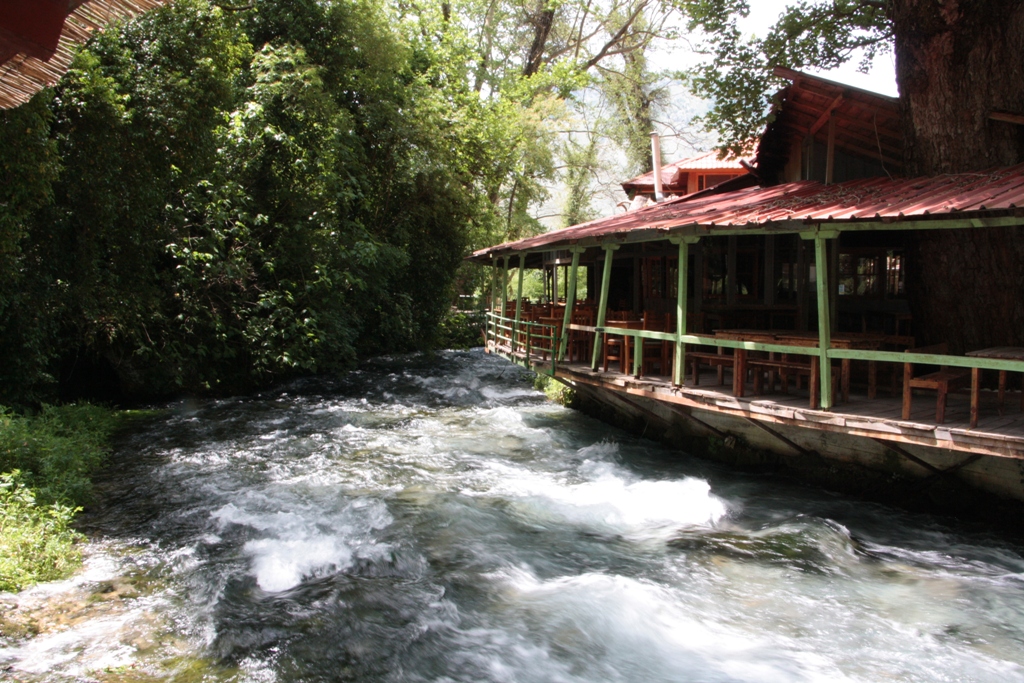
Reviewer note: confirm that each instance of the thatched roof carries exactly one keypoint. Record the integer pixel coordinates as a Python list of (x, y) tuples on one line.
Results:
[(31, 55)]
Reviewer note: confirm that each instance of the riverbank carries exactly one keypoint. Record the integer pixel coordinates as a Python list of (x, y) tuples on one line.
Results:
[(47, 460)]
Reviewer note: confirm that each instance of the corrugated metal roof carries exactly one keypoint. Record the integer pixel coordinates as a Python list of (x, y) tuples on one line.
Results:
[(805, 202), (670, 173), (22, 75)]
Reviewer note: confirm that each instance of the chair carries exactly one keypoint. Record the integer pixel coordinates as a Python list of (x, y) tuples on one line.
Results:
[(943, 381), (580, 342), (616, 347), (655, 351)]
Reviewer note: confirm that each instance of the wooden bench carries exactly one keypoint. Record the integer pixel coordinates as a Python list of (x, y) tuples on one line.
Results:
[(943, 381), (783, 366), (716, 360)]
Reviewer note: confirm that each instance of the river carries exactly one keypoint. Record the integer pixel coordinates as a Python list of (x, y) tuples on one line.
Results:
[(435, 518)]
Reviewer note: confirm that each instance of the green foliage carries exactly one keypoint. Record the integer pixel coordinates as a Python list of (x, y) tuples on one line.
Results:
[(37, 542), (461, 330), (555, 391), (57, 450), (581, 163), (244, 196), (738, 78)]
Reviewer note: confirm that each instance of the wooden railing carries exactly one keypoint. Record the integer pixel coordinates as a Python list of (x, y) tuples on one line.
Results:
[(524, 342)]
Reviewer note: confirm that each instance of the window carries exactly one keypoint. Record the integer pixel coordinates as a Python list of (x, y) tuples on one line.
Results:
[(871, 273), (706, 180)]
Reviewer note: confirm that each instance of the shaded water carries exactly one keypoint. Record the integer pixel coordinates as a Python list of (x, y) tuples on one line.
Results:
[(436, 519)]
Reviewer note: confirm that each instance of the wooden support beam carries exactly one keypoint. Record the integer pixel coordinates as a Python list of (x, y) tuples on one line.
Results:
[(679, 366), (492, 304), (824, 324), (602, 306), (895, 448), (826, 117), (941, 474), (570, 301), (1007, 117), (519, 306), (678, 410), (763, 426), (830, 153), (504, 287)]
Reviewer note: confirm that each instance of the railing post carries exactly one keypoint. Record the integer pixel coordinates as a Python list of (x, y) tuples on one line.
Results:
[(570, 300), (638, 353), (529, 344), (602, 306), (518, 305), (824, 323), (553, 342), (682, 271)]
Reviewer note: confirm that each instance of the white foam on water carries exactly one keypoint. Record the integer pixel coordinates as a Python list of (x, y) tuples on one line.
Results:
[(608, 498), (638, 627), (308, 540), (282, 564), (89, 646)]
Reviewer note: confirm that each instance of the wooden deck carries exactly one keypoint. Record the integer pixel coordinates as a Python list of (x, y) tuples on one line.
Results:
[(999, 432)]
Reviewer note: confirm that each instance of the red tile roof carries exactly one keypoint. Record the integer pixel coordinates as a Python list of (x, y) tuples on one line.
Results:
[(802, 203), (670, 173)]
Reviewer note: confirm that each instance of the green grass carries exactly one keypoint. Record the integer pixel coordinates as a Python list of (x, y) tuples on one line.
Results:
[(46, 463), (37, 542)]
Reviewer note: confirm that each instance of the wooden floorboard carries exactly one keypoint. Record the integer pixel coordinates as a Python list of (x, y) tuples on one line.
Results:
[(874, 418)]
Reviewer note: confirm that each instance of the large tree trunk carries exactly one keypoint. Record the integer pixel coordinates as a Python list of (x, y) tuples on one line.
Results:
[(956, 62), (542, 22)]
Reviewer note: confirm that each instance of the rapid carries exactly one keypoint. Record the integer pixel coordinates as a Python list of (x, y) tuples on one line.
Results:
[(436, 518)]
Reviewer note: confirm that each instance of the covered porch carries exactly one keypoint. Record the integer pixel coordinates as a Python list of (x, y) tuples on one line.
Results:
[(786, 301)]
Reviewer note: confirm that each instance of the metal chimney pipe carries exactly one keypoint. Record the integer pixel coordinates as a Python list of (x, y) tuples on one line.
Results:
[(656, 158)]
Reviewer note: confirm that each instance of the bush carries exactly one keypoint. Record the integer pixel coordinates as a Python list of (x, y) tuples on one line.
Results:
[(555, 390), (460, 330), (57, 450), (37, 542), (46, 462)]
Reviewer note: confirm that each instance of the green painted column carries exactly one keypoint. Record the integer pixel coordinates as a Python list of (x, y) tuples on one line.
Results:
[(494, 284), (824, 323), (519, 303), (492, 329), (602, 306), (570, 300), (504, 288), (679, 366)]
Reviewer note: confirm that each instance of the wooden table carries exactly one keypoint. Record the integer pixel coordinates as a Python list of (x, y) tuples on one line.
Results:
[(739, 367), (1000, 353), (868, 341)]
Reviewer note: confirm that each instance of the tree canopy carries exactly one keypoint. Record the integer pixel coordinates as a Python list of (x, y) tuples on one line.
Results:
[(220, 195)]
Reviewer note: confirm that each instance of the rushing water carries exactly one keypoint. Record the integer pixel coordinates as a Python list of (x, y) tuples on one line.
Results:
[(436, 519)]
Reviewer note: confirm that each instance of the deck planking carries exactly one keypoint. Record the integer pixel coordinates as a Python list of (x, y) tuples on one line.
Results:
[(878, 418)]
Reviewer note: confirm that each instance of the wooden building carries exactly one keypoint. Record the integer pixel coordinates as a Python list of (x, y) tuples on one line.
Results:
[(687, 176), (774, 309)]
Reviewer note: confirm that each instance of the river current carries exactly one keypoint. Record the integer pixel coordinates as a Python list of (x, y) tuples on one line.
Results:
[(435, 518)]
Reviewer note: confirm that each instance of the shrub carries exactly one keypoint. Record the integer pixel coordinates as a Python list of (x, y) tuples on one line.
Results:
[(57, 450), (37, 542)]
